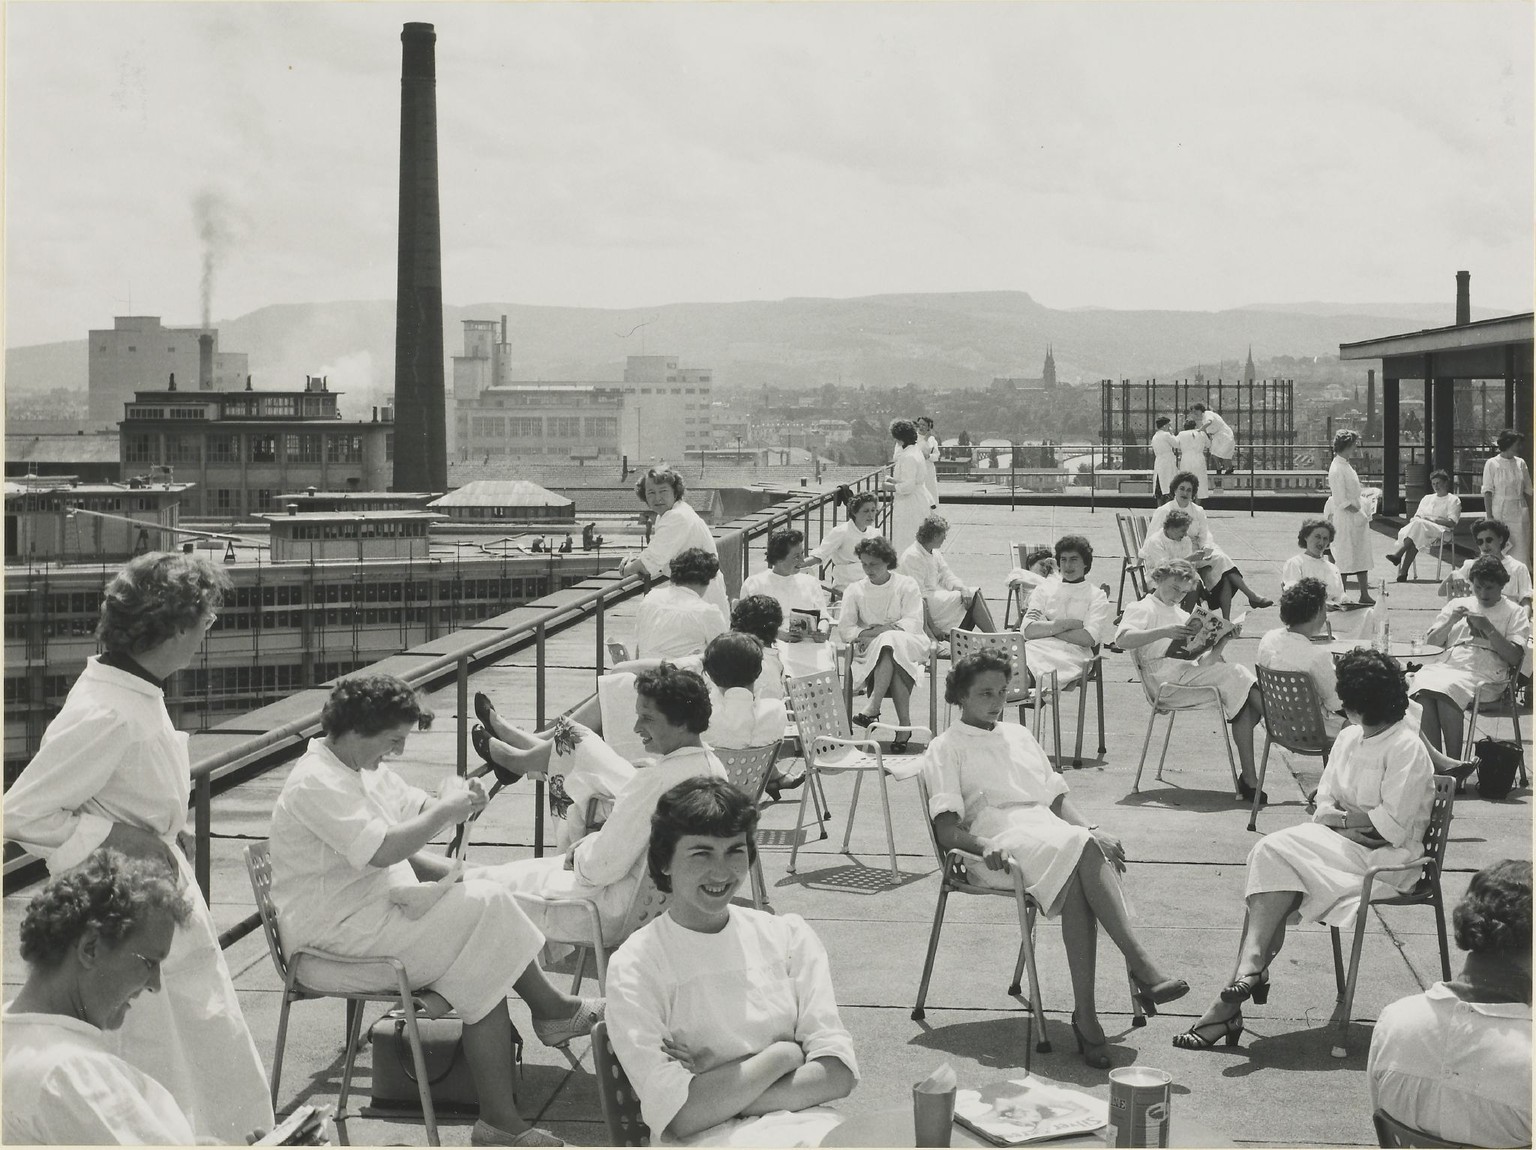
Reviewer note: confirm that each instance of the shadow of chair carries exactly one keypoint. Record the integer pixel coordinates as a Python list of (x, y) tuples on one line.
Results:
[(1293, 718), (617, 1098), (576, 922), (1426, 892), (258, 864), (1391, 1132), (1169, 699), (748, 768)]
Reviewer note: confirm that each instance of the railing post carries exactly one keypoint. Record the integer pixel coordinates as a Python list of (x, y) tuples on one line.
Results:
[(202, 824), (538, 725), (601, 645), (1093, 480), (463, 732)]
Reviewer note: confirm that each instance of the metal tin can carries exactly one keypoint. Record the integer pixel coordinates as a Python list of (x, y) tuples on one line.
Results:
[(1139, 1098)]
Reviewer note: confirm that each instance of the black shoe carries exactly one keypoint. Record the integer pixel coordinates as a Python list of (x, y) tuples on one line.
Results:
[(1254, 986), (899, 744), (484, 709), (863, 720), (1095, 1054), (481, 738), (774, 786), (1204, 1036), (1246, 790)]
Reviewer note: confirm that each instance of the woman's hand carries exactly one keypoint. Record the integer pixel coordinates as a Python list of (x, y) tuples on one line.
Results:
[(461, 802), (1365, 836), (135, 842), (680, 1053), (1111, 848), (993, 855)]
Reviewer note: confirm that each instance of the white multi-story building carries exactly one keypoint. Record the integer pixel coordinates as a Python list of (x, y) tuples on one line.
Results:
[(138, 354), (666, 409)]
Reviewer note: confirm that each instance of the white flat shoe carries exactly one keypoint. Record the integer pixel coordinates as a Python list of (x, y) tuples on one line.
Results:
[(559, 1031), (484, 1134)]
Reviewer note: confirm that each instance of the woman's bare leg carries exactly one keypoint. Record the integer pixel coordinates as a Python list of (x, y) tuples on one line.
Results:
[(880, 681), (1365, 586), (901, 695), (531, 761), (1446, 728), (1242, 734), (1080, 937), (1429, 719), (545, 1000), (488, 1050), (1263, 936), (1100, 885)]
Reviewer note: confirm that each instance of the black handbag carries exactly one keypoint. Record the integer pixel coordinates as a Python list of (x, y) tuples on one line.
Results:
[(394, 1089), (1497, 762)]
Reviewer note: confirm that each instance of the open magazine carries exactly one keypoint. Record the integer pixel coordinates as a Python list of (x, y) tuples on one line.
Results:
[(304, 1127), (1213, 629), (1028, 1110)]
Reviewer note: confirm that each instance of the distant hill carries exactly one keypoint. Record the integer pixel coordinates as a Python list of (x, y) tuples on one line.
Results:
[(932, 340)]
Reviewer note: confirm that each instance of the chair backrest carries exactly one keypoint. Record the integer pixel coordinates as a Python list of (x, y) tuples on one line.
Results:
[(1139, 524), (1022, 549), (817, 701), (1007, 643), (1439, 829), (617, 652), (648, 903), (1391, 1132), (620, 1103), (1293, 713), (1128, 543), (258, 864), (748, 767)]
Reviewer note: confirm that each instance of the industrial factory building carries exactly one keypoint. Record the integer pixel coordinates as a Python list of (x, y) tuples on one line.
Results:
[(137, 353)]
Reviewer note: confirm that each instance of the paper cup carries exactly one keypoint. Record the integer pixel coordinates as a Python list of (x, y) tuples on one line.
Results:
[(933, 1116)]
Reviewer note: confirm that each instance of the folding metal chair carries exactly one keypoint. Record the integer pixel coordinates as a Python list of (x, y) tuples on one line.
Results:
[(1293, 717), (576, 922), (617, 1098), (1130, 556), (748, 768), (1167, 700)]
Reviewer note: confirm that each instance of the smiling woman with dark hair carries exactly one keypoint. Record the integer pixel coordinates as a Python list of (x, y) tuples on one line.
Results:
[(836, 546), (677, 527)]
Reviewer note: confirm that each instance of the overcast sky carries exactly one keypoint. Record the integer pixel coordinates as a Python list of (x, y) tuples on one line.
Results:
[(1143, 155)]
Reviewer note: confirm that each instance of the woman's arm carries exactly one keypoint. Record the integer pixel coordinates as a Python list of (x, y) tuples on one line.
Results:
[(907, 477), (1511, 652), (727, 1091), (818, 1081), (1129, 640), (954, 837), (1439, 632), (406, 838)]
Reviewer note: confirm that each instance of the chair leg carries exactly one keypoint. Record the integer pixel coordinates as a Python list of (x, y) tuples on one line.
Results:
[(1226, 741), (933, 948), (1338, 960), (1471, 740), (1016, 986), (759, 887), (805, 791), (1253, 815), (1167, 739), (1345, 1004), (1098, 685), (890, 833), (423, 1082), (1082, 711), (282, 1037), (354, 1032), (853, 809), (1037, 1008), (1145, 744), (1056, 713), (1445, 951), (581, 969), (600, 957)]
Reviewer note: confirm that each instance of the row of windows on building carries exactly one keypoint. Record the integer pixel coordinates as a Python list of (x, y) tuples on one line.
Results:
[(363, 530), (551, 427), (63, 501), (329, 447), (180, 411)]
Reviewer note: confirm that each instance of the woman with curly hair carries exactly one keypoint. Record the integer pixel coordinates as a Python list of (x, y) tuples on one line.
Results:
[(1345, 510), (1455, 1061), (908, 484), (1433, 523), (351, 874), (1372, 810), (836, 546), (113, 771), (1314, 537), (1222, 578), (678, 618), (678, 527), (93, 939), (883, 621)]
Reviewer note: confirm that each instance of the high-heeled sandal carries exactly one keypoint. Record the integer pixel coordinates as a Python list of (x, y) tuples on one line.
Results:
[(481, 740), (863, 720), (899, 744), (1095, 1054), (1254, 986), (484, 709), (1198, 1037), (1154, 995)]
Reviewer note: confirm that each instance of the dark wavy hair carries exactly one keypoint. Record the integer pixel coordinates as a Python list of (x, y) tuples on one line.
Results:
[(1345, 440), (760, 616), (1490, 568), (878, 546), (1033, 557), (1373, 685), (1495, 915), (904, 432), (1441, 473), (1302, 600), (733, 659), (662, 474), (972, 667), (857, 501), (698, 806), (1185, 477), (1076, 545), (1497, 526), (369, 704), (680, 695), (932, 527), (1508, 436), (108, 893), (694, 567), (155, 596), (781, 543), (1310, 525)]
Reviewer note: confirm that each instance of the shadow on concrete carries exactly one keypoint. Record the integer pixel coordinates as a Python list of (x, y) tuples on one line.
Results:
[(1204, 801), (852, 878), (1305, 1050), (1002, 1043)]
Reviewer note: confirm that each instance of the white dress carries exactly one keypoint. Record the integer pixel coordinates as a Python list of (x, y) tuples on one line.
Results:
[(899, 601), (1231, 679), (912, 502), (1456, 1069), (798, 592), (1165, 461), (1470, 667), (1223, 442), (1519, 585), (675, 621), (740, 719), (1199, 535), (1303, 566), (1509, 481), (1387, 776), (1058, 599), (762, 979), (836, 547), (1192, 445), (931, 455), (330, 820), (111, 755), (1002, 786), (677, 529), (1424, 533), (941, 588), (1282, 650), (64, 1087), (1351, 529)]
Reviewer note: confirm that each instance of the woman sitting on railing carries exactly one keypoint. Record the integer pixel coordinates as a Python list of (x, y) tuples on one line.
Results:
[(1373, 808), (723, 1016), (992, 793), (1485, 636), (947, 602), (1149, 627), (1221, 577), (1432, 525), (93, 939), (882, 619), (1315, 537), (113, 771), (837, 545), (351, 875), (677, 528)]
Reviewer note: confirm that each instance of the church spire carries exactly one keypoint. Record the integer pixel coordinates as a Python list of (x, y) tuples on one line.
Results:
[(1048, 375), (1248, 367)]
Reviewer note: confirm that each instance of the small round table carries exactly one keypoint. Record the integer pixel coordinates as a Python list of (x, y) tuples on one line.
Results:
[(1397, 650)]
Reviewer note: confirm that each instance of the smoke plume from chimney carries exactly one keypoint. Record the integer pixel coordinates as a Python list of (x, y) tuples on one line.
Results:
[(216, 225)]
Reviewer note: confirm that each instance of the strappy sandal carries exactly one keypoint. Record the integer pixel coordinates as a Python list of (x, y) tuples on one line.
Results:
[(1200, 1036), (899, 744), (1254, 986)]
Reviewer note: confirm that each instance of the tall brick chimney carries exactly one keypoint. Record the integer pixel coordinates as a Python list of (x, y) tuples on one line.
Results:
[(1463, 298), (205, 362), (421, 433)]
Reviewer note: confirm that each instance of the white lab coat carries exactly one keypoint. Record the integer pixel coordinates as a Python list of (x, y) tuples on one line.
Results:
[(912, 503), (837, 548), (1507, 489), (1223, 442), (1165, 460), (1344, 509), (1192, 445), (111, 755), (931, 454), (677, 529)]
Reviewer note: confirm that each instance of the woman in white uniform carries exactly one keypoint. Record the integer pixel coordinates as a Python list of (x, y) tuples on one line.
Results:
[(1507, 493), (947, 602), (723, 1017), (1372, 810), (992, 792), (908, 485), (351, 874), (1149, 627), (1165, 460), (113, 771), (883, 619), (1315, 537), (1435, 520), (802, 599), (1223, 442), (932, 453), (1192, 444), (1067, 617), (93, 939), (1352, 530), (677, 528), (1222, 577), (836, 546), (1485, 636)]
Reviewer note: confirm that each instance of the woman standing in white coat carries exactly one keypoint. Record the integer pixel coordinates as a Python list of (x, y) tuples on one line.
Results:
[(1352, 530), (932, 452), (1165, 460), (113, 771), (678, 527), (1192, 444), (908, 482), (1507, 494)]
